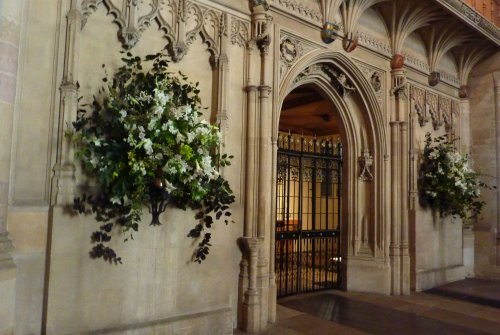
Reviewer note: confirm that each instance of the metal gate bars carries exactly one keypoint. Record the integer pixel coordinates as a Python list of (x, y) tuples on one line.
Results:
[(308, 214)]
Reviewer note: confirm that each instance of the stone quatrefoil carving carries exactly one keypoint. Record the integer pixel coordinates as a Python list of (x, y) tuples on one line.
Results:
[(179, 20)]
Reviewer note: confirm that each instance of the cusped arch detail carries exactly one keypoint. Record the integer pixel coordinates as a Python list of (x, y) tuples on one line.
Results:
[(375, 125)]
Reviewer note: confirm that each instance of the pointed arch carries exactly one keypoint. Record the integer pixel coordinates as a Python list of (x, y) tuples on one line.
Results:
[(363, 134)]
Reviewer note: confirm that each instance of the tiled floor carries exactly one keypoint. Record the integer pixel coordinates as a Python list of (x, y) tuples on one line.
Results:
[(345, 313)]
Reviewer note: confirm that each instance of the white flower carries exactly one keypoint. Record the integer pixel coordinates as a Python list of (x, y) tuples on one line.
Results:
[(161, 97), (148, 146), (144, 96), (115, 200), (185, 112), (206, 163), (93, 160), (179, 138), (158, 110), (123, 114), (142, 133), (169, 187), (431, 194), (434, 154), (190, 137), (176, 113), (169, 125), (152, 123)]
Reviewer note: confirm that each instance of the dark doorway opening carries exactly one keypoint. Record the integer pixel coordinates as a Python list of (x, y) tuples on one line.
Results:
[(309, 195)]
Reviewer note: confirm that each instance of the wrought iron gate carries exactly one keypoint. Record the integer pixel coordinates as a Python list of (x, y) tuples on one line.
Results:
[(308, 214)]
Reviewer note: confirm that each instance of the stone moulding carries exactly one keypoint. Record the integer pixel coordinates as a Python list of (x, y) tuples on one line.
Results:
[(374, 44), (473, 18), (295, 7)]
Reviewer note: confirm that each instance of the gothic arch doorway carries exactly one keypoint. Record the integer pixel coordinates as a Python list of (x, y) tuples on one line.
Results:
[(363, 254), (308, 194)]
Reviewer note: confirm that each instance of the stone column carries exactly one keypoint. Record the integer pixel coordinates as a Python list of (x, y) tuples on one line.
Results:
[(63, 182), (254, 313), (496, 82), (405, 196), (265, 200), (394, 247), (465, 139), (11, 14), (10, 33), (399, 247)]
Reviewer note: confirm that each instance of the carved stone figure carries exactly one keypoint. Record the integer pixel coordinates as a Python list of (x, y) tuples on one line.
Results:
[(376, 81), (339, 81), (366, 162)]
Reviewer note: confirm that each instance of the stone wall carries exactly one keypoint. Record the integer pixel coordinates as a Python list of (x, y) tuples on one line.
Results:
[(485, 130), (158, 288)]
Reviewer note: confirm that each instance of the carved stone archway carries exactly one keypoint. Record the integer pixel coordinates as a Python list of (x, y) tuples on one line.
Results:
[(365, 205)]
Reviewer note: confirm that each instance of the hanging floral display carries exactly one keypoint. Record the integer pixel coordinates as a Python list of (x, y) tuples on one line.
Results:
[(448, 183), (144, 142)]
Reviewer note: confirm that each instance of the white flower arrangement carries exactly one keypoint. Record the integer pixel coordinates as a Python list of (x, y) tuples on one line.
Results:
[(145, 135), (448, 183)]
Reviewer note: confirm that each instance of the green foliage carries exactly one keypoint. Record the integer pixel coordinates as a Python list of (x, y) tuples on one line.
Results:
[(447, 182), (145, 127)]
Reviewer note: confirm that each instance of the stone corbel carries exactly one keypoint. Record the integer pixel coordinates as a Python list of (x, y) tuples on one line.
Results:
[(399, 85), (463, 92), (257, 3), (261, 27), (330, 32), (366, 163), (434, 78)]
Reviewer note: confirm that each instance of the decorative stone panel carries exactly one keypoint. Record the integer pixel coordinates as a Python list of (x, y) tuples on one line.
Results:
[(376, 78), (180, 21), (240, 32), (292, 48), (430, 106)]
